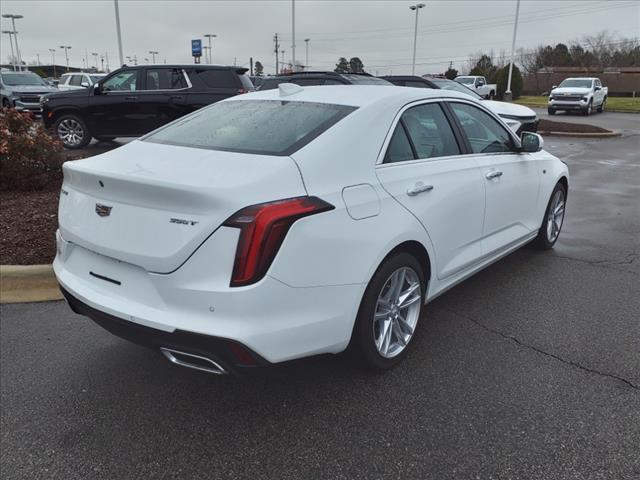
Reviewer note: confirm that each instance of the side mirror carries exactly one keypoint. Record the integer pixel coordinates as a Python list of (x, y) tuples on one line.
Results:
[(531, 142), (85, 84), (97, 90), (598, 88), (480, 84), (555, 86)]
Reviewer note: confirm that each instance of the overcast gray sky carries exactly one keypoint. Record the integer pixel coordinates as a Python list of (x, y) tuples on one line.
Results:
[(379, 32)]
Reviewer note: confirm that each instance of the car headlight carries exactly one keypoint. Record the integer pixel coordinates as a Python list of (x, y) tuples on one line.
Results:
[(584, 99), (44, 99)]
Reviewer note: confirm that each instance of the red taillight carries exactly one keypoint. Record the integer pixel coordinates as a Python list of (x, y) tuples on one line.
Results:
[(262, 230), (242, 90)]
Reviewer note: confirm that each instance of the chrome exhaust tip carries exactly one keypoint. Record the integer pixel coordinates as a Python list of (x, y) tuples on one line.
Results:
[(190, 360)]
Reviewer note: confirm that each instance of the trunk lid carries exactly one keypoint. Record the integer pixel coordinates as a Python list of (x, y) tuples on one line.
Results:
[(153, 205)]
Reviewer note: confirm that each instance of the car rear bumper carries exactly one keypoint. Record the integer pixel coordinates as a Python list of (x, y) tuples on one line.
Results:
[(272, 320)]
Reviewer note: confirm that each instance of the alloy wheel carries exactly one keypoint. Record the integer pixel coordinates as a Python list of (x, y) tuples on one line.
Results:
[(71, 132), (397, 311), (555, 216)]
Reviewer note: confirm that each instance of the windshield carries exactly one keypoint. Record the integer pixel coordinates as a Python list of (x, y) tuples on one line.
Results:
[(445, 84), (22, 79), (365, 80), (95, 78), (576, 82), (466, 80), (266, 127)]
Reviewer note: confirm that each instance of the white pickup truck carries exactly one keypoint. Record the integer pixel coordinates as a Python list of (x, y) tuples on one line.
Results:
[(581, 94), (478, 85)]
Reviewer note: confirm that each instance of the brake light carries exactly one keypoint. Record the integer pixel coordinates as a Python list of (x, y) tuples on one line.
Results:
[(242, 90), (262, 231)]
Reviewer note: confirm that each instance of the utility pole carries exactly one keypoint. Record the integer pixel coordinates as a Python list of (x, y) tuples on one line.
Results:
[(13, 55), (66, 49), (275, 39), (95, 56), (417, 8), (102, 63), (53, 61), (209, 36), (507, 93), (15, 35), (251, 66), (293, 35), (306, 57), (106, 57), (38, 57), (115, 3)]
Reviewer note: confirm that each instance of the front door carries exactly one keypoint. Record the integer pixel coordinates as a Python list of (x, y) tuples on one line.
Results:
[(113, 107), (511, 178), (424, 170)]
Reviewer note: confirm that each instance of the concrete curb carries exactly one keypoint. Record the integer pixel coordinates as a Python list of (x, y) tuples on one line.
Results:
[(28, 283), (580, 135)]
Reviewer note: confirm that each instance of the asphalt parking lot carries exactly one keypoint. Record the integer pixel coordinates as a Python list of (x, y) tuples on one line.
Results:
[(528, 370)]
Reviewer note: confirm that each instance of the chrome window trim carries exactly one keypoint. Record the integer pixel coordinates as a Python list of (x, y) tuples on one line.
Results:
[(129, 92)]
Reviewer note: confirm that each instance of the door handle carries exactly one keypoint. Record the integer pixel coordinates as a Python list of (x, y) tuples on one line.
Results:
[(176, 97), (131, 98), (419, 188), (493, 174)]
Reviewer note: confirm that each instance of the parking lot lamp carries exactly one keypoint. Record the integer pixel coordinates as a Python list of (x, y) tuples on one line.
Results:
[(153, 54), (115, 4), (95, 55), (53, 61), (66, 49), (306, 57), (293, 36), (507, 93), (415, 7), (13, 55), (209, 36), (15, 35)]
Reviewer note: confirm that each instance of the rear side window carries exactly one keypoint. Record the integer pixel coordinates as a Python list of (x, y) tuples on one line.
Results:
[(485, 134), (218, 78), (430, 132), (399, 149), (76, 80), (165, 79), (246, 82), (267, 127)]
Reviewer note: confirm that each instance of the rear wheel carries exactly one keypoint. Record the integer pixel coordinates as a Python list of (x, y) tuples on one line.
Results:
[(553, 219), (551, 111), (492, 95), (389, 312), (72, 131), (602, 105)]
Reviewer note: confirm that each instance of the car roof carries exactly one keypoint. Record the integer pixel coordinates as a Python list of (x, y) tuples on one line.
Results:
[(353, 95), (190, 65)]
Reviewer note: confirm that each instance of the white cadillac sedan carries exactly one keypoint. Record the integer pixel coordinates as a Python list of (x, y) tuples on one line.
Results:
[(293, 222)]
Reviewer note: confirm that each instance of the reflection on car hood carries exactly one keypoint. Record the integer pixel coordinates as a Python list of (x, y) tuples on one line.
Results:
[(570, 91), (31, 88), (509, 109), (60, 94)]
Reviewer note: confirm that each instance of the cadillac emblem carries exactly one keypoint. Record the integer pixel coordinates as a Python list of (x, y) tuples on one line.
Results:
[(103, 210)]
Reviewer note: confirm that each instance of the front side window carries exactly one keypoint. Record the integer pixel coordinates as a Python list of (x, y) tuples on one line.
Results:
[(121, 82), (165, 79), (264, 127), (485, 134)]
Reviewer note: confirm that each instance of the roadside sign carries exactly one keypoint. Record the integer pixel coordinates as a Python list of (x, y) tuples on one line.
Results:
[(196, 47)]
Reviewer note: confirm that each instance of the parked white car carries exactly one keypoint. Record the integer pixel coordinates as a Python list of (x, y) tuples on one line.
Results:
[(78, 80), (578, 94), (479, 85), (298, 221)]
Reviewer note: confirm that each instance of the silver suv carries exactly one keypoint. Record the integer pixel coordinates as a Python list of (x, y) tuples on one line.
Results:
[(23, 90)]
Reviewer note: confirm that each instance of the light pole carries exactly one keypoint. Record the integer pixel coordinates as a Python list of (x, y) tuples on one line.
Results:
[(53, 61), (507, 93), (293, 36), (153, 54), (115, 4), (207, 50), (13, 55), (306, 57), (95, 55), (102, 63), (66, 49), (15, 35), (209, 36), (417, 8)]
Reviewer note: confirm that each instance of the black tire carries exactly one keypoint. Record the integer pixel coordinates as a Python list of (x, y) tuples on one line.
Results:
[(105, 139), (600, 108), (362, 347), (77, 125), (551, 111), (6, 103), (545, 240), (589, 110), (492, 95)]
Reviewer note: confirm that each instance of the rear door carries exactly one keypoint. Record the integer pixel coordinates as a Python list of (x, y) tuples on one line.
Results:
[(511, 179), (163, 97), (424, 169)]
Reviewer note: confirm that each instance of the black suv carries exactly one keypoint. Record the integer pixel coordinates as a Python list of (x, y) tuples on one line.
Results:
[(322, 78), (135, 100)]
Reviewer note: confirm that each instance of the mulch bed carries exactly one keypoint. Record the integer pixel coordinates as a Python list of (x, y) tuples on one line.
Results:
[(550, 126), (28, 223)]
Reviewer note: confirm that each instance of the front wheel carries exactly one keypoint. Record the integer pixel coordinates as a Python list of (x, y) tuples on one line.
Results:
[(589, 110), (551, 111), (72, 132), (389, 312), (553, 219)]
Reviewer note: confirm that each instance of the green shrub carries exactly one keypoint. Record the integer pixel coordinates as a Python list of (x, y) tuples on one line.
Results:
[(516, 81), (30, 158)]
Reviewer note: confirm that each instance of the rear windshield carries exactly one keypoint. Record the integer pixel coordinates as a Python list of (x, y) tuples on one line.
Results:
[(445, 84), (265, 127)]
